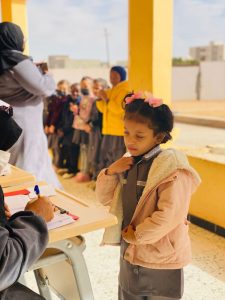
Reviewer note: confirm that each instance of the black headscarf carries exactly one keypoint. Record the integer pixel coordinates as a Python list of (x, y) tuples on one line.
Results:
[(9, 129), (11, 46), (9, 134)]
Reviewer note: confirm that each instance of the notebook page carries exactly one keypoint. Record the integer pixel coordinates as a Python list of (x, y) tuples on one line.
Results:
[(19, 202)]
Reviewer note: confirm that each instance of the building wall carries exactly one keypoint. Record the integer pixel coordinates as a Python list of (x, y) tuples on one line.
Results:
[(184, 80), (213, 80), (212, 52), (210, 81), (75, 75), (184, 83)]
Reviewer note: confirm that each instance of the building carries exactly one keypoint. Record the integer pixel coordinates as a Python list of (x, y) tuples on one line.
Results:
[(212, 52), (65, 62)]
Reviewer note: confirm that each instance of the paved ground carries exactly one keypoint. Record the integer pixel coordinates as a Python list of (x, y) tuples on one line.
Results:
[(200, 108), (194, 136)]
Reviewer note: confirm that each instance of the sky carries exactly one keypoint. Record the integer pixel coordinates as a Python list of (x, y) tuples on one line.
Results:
[(77, 27)]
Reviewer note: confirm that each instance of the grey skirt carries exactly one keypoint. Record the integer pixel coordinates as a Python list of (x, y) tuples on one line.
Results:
[(141, 281)]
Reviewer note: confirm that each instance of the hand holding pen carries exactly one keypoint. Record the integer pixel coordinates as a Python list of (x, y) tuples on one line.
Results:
[(42, 206)]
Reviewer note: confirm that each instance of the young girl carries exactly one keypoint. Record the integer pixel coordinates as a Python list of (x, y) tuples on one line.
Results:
[(80, 121), (149, 191), (55, 106), (110, 105), (94, 128)]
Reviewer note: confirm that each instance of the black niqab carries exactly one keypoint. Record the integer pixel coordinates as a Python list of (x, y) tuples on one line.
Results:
[(9, 134), (11, 46)]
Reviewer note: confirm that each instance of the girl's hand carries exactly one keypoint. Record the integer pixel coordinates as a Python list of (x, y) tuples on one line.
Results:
[(102, 95), (74, 108), (51, 129), (7, 211), (87, 128), (121, 165), (128, 234), (46, 130)]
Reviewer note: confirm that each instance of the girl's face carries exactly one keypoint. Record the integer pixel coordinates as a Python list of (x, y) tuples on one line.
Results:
[(139, 138), (63, 87), (114, 78), (75, 92), (96, 88)]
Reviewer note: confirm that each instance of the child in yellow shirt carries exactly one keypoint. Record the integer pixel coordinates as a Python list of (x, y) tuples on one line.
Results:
[(110, 105)]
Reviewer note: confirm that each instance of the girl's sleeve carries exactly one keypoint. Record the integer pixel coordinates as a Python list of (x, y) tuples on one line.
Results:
[(100, 104), (115, 105), (30, 78), (172, 209), (23, 240), (105, 187)]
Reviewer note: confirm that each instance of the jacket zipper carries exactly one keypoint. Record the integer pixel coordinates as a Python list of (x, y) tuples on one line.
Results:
[(141, 201)]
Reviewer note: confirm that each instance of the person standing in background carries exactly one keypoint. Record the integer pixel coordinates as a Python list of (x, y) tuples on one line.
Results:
[(55, 107), (94, 128), (24, 86), (80, 121), (69, 151), (110, 105)]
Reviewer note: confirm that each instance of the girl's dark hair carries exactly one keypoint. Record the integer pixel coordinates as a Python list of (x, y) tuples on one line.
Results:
[(160, 118), (102, 82)]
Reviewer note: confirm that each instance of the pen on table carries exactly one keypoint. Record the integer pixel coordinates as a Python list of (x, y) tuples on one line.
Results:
[(62, 210), (37, 192)]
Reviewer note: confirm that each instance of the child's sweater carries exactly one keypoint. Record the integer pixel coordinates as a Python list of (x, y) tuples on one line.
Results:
[(159, 220)]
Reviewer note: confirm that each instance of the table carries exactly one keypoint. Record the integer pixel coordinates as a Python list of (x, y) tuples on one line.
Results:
[(69, 242), (17, 176)]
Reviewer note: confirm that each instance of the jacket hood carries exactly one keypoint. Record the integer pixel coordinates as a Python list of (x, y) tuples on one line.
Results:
[(167, 163)]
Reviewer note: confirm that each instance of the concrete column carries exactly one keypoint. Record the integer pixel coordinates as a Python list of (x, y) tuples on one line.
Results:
[(150, 46), (15, 11)]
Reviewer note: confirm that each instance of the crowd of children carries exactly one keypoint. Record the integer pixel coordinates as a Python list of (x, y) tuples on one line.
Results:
[(83, 124)]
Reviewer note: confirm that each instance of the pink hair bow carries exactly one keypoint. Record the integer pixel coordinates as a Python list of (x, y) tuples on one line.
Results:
[(154, 102), (135, 96)]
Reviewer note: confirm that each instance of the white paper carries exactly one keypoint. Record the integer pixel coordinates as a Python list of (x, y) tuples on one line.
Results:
[(59, 220), (45, 190), (5, 168), (18, 203)]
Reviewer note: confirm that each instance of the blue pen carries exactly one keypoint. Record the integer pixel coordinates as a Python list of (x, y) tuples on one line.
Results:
[(37, 190)]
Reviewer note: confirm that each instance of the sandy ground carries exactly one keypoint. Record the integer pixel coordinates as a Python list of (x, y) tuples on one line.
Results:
[(200, 108)]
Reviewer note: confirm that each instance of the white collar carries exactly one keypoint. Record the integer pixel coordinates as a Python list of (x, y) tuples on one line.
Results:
[(152, 152)]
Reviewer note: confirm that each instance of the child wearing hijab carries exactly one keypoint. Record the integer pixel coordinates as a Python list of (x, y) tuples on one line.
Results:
[(110, 105)]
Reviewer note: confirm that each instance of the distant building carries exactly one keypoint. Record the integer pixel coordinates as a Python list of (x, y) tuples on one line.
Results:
[(123, 63), (65, 62), (57, 61), (212, 52)]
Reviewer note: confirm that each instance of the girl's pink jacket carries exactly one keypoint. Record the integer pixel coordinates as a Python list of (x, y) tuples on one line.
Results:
[(161, 227)]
